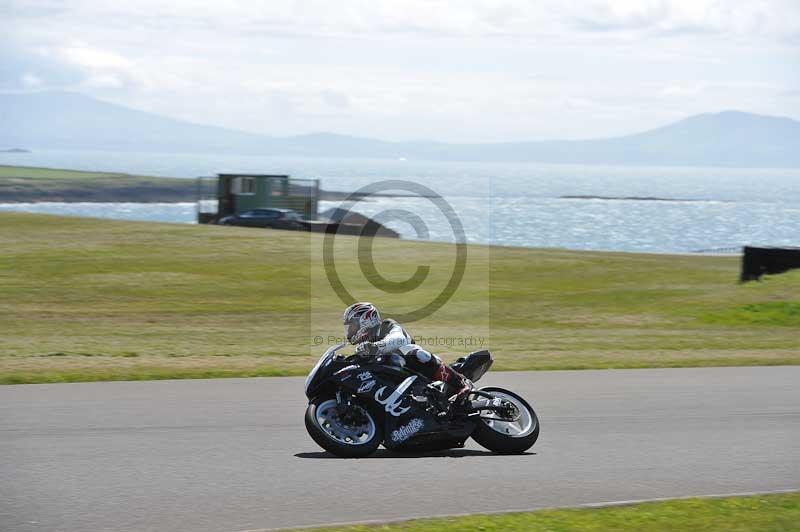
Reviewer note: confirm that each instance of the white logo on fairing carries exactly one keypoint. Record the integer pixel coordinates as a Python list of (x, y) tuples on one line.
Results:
[(392, 403), (366, 386), (346, 369), (405, 432), (364, 375)]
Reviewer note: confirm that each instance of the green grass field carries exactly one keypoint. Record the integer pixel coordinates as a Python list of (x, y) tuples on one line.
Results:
[(765, 513), (86, 299), (22, 184)]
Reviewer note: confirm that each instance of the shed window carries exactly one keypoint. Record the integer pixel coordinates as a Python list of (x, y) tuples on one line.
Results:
[(244, 185)]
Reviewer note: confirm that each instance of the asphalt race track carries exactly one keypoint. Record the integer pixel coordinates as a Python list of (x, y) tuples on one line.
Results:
[(233, 455)]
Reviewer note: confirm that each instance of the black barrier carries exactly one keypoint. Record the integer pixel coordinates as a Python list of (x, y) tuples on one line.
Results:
[(769, 260)]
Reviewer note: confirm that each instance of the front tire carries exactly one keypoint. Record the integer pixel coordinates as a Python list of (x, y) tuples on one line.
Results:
[(504, 437), (357, 437)]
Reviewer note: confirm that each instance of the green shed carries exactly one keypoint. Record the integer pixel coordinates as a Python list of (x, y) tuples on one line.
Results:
[(228, 194)]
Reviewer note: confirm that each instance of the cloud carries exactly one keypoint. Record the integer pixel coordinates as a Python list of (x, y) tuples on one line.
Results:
[(335, 99), (695, 89), (459, 69), (22, 9), (619, 16), (521, 18), (678, 90), (93, 58), (31, 80), (101, 68), (104, 81), (454, 18), (773, 20), (31, 68), (67, 68)]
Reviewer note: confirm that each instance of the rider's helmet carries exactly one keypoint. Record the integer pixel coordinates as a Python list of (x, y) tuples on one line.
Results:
[(360, 322)]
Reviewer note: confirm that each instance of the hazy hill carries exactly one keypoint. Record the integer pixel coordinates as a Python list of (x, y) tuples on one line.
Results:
[(73, 121), (59, 120)]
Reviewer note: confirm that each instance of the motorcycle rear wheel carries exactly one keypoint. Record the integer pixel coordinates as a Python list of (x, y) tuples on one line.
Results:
[(508, 438), (344, 438)]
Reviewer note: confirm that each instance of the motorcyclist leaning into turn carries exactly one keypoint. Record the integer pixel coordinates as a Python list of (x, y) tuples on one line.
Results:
[(372, 336)]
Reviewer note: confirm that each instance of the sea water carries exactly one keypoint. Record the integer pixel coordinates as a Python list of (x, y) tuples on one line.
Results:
[(517, 204)]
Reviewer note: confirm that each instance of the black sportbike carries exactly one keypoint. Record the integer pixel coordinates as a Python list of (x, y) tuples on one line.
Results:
[(357, 403)]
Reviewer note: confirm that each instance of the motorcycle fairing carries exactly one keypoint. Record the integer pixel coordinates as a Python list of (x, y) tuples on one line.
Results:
[(400, 430), (407, 423), (474, 365), (396, 402), (419, 430)]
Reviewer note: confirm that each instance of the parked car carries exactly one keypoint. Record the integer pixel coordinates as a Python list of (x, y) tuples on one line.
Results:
[(274, 218)]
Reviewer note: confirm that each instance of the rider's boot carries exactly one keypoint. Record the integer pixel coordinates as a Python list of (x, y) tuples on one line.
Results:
[(455, 380)]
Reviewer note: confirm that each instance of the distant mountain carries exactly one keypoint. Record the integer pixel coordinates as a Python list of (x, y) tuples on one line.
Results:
[(66, 121), (57, 120)]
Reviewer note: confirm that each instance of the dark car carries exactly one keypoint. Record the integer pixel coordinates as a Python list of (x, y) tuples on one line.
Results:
[(275, 218)]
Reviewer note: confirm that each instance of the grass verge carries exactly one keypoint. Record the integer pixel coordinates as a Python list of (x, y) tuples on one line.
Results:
[(732, 514), (85, 299)]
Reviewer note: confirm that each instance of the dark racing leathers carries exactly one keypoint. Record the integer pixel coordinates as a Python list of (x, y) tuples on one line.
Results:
[(390, 337)]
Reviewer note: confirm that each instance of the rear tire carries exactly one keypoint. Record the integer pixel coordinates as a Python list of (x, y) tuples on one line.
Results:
[(317, 413), (501, 443)]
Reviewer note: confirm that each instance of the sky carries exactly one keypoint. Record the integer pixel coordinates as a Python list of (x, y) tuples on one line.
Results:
[(450, 70)]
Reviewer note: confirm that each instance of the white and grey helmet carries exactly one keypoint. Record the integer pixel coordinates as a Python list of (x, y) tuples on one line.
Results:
[(359, 321)]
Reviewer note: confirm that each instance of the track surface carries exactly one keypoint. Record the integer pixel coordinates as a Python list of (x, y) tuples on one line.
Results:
[(233, 454)]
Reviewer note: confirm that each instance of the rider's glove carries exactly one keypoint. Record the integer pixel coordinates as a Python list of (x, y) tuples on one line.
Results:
[(366, 349)]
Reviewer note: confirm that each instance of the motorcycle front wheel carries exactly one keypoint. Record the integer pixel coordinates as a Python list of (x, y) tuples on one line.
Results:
[(507, 437), (348, 431)]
